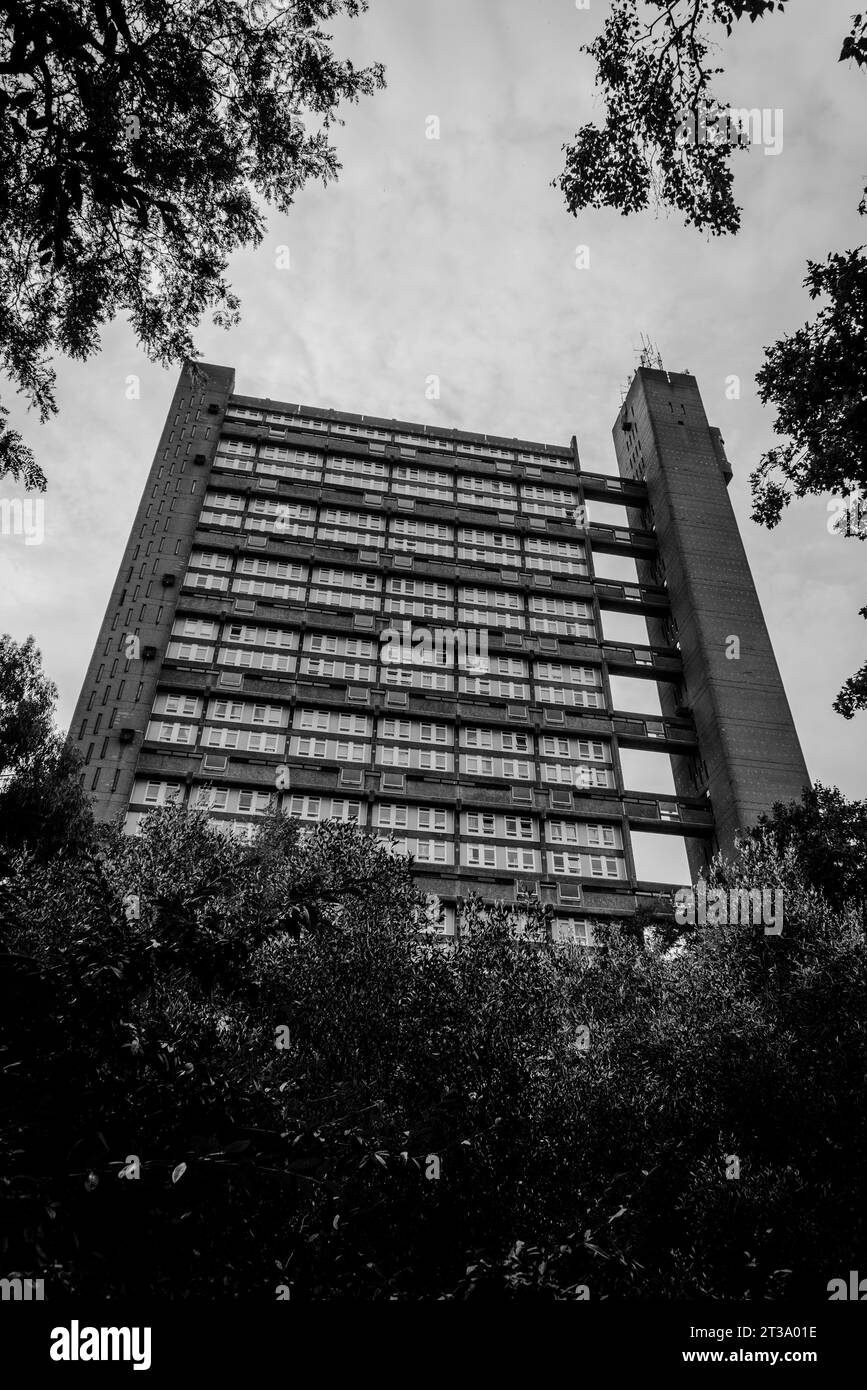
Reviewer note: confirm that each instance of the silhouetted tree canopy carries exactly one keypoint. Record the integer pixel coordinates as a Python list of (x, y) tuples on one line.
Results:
[(326, 1100), (138, 140), (654, 72), (42, 803)]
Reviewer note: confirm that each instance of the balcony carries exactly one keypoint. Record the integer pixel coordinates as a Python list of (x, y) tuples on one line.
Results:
[(632, 598), (657, 663), (690, 816), (622, 540), (641, 731)]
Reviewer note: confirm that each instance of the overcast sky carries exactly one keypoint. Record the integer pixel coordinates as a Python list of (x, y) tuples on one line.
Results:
[(456, 257)]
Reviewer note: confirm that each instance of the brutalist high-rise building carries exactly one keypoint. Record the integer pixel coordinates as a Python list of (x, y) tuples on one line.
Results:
[(401, 626)]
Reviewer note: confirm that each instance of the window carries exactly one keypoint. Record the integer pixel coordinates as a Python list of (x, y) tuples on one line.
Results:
[(272, 569), (573, 931), (604, 867), (427, 530), (564, 672), (503, 740), (195, 627), (346, 579), (157, 793), (195, 580), (236, 446), (431, 761), (422, 482), (420, 679), (486, 492), (601, 835), (223, 501), (336, 670), (345, 598), (256, 661), (431, 851), (519, 828), (255, 802), (524, 859), (341, 750), (498, 542), (480, 767), (367, 473), (166, 732), (393, 757), (480, 856), (178, 704), (325, 720), (365, 431), (189, 651), (215, 798), (591, 749), (325, 808), (435, 733), (424, 441), (483, 450), (261, 636), (359, 521)]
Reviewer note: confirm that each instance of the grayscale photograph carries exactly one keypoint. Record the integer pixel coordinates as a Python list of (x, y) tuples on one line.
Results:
[(433, 674)]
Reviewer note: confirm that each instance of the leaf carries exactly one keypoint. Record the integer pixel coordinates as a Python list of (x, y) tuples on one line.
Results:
[(238, 1146), (178, 1172)]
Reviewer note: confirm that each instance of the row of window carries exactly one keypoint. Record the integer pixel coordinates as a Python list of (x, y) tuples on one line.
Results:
[(595, 856), (214, 570), (414, 677), (436, 485), (387, 730), (441, 647), (357, 588), (490, 825), (358, 430), (478, 610), (407, 535), (402, 677), (385, 755)]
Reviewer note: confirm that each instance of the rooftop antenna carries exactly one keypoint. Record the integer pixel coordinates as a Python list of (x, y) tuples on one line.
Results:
[(649, 354)]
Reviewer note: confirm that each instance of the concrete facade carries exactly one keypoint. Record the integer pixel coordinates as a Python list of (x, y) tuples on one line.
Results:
[(750, 755), (243, 660)]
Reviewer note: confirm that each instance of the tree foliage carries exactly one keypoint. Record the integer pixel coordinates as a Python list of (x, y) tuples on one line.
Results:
[(654, 73), (816, 378), (41, 800), (826, 836), (286, 1076), (138, 139)]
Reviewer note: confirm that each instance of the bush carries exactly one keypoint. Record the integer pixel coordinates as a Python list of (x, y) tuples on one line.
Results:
[(325, 1099)]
